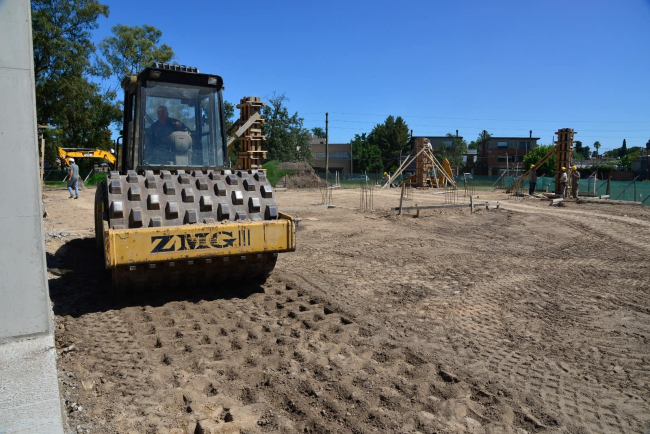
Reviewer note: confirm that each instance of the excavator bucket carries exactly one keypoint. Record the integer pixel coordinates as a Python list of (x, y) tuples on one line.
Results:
[(442, 179)]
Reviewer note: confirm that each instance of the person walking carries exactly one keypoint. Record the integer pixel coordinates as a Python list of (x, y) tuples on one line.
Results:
[(532, 180), (563, 182), (575, 182), (73, 181)]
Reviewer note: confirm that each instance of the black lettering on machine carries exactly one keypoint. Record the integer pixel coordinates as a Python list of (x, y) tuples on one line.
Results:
[(198, 241)]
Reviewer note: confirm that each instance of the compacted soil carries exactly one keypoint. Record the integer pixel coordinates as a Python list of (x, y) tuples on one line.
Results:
[(526, 318)]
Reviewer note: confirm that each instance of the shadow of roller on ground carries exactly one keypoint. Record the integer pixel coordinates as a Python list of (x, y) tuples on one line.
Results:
[(80, 284)]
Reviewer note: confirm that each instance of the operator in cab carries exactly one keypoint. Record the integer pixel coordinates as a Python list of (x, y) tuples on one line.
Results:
[(159, 147)]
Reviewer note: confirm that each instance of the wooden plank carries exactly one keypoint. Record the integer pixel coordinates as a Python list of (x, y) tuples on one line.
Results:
[(407, 208), (401, 199), (400, 169), (544, 159), (242, 130), (440, 168), (610, 202)]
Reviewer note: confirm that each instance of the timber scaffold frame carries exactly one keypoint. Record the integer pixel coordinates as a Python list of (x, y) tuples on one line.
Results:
[(249, 133)]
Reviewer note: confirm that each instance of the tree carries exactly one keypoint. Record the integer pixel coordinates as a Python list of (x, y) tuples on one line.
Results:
[(61, 38), (622, 151), (391, 138), (474, 145), (597, 146), (456, 151), (131, 49), (647, 147), (612, 153), (581, 152), (365, 157), (66, 96), (482, 140), (318, 132), (627, 160), (536, 154), (286, 138)]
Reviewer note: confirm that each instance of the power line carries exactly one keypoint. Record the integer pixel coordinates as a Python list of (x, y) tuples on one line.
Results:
[(483, 127), (507, 129), (484, 119)]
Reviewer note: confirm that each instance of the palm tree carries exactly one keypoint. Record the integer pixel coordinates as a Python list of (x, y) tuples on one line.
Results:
[(597, 146)]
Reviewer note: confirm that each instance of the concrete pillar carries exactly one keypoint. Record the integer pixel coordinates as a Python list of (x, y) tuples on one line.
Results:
[(24, 301), (28, 381)]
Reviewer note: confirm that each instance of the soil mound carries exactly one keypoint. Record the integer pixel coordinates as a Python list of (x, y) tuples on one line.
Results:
[(301, 165), (302, 176)]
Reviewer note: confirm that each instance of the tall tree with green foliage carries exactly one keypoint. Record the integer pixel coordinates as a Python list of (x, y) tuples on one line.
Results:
[(622, 151), (286, 137), (131, 49), (318, 132), (62, 33), (66, 96), (392, 139), (365, 157), (536, 154)]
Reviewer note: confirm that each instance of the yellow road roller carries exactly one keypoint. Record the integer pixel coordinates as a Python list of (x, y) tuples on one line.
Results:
[(174, 213)]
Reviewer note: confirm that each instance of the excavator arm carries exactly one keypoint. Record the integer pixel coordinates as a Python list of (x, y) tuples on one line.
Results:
[(66, 153)]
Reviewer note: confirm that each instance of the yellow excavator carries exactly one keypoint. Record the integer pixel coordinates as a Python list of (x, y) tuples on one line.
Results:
[(66, 153), (173, 213)]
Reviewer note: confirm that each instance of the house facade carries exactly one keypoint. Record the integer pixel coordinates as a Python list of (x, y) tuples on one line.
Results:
[(501, 153), (340, 156)]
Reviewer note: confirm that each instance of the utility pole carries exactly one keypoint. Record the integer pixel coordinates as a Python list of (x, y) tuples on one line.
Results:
[(41, 137), (327, 147)]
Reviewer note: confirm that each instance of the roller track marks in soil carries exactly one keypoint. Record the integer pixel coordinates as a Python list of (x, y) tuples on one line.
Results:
[(282, 358)]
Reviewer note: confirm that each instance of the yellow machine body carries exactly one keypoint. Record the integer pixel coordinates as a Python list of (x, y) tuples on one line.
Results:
[(66, 153), (192, 242), (442, 180)]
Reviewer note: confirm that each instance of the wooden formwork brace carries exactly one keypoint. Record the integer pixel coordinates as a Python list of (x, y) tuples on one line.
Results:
[(440, 169), (424, 161), (556, 150), (249, 133)]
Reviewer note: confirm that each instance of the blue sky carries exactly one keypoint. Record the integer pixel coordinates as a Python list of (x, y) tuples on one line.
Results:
[(504, 66)]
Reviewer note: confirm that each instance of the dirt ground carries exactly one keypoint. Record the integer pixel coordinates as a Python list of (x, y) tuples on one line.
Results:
[(528, 318)]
